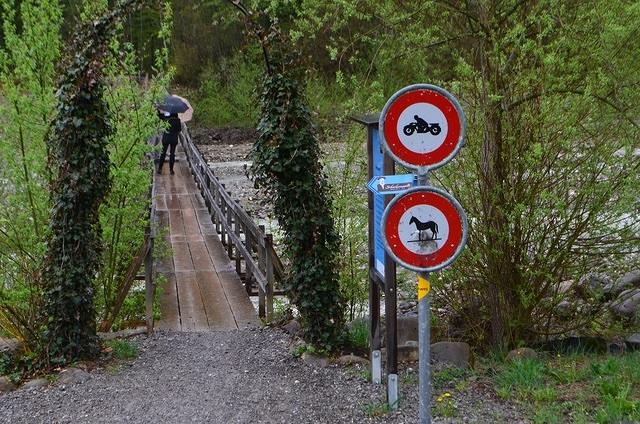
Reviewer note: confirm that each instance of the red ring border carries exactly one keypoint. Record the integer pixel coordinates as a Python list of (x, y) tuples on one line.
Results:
[(438, 100), (449, 210)]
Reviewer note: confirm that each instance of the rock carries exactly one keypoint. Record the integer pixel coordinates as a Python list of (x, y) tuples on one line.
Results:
[(592, 284), (315, 360), (11, 346), (292, 327), (522, 353), (617, 347), (407, 328), (564, 309), (35, 384), (633, 341), (627, 281), (351, 360), (6, 385), (627, 305), (455, 353), (409, 351), (565, 287), (73, 376)]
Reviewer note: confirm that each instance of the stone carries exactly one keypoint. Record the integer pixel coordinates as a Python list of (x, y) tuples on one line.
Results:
[(292, 327), (633, 341), (627, 305), (592, 285), (315, 360), (617, 347), (565, 287), (11, 346), (564, 309), (522, 353), (73, 376), (407, 328), (409, 351), (454, 353), (627, 281), (6, 385), (35, 384), (352, 359)]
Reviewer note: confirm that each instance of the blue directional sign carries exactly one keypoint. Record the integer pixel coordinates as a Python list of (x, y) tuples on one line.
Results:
[(378, 204), (392, 184)]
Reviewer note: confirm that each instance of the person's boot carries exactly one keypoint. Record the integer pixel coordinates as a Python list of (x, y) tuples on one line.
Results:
[(171, 172)]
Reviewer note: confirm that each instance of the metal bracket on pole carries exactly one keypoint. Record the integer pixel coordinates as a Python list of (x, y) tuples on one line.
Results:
[(376, 367), (392, 391)]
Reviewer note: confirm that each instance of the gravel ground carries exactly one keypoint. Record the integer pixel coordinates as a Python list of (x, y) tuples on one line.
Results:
[(246, 376)]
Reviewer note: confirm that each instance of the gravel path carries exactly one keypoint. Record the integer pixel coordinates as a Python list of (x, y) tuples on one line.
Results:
[(245, 376)]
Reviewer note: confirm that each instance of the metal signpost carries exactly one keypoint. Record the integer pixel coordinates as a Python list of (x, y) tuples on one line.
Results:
[(425, 228), (382, 269)]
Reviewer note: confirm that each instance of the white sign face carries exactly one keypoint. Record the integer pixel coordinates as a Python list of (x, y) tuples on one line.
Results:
[(422, 128), (423, 229)]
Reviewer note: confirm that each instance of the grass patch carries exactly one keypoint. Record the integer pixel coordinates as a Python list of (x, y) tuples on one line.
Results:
[(123, 349), (377, 409), (574, 388)]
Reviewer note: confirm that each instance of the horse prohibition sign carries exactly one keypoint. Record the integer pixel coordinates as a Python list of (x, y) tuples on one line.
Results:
[(424, 229)]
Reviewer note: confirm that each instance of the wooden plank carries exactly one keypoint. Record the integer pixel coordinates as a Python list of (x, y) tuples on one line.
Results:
[(185, 201), (200, 256), (217, 253), (176, 225), (181, 257), (160, 202), (172, 201), (197, 201), (204, 221), (192, 313), (243, 311), (190, 222), (217, 307), (170, 313)]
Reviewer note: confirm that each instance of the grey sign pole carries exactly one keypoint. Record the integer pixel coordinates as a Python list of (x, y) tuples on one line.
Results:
[(424, 331), (424, 340)]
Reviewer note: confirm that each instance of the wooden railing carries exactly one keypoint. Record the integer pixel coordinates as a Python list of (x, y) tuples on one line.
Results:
[(246, 242)]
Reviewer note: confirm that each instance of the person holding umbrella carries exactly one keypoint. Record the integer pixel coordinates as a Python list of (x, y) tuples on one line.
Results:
[(171, 110)]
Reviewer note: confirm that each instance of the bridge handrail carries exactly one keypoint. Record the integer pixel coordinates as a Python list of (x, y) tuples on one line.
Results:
[(262, 263)]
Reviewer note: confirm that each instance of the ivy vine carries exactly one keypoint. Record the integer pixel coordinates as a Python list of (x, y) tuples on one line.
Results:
[(287, 167), (80, 161)]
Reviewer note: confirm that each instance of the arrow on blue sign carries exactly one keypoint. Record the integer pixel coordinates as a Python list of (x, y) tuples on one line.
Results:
[(392, 184)]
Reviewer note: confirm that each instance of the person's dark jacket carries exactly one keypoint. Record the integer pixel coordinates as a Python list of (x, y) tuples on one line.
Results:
[(170, 135)]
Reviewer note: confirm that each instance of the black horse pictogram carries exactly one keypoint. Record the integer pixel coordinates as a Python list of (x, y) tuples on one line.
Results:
[(422, 227)]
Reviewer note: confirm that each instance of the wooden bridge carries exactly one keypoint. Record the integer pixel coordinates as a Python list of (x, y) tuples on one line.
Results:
[(214, 246)]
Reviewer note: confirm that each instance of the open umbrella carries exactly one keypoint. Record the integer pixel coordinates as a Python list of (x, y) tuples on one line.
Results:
[(179, 105), (173, 104), (187, 114)]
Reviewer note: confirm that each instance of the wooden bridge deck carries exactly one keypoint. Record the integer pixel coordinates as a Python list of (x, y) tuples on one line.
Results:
[(202, 291)]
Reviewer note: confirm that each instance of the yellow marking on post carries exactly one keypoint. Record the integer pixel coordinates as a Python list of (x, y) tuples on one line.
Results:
[(423, 287)]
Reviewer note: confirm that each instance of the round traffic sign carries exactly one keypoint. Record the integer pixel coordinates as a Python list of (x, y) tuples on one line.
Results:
[(422, 125), (424, 229)]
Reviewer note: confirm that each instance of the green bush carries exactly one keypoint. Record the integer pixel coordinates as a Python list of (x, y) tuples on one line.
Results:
[(227, 94)]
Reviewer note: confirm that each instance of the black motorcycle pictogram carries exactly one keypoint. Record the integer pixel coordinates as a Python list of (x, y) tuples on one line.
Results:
[(421, 126)]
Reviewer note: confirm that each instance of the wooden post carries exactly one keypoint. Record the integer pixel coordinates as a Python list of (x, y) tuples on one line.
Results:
[(262, 265), (236, 229), (268, 243), (149, 285), (229, 216), (223, 231), (248, 237)]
